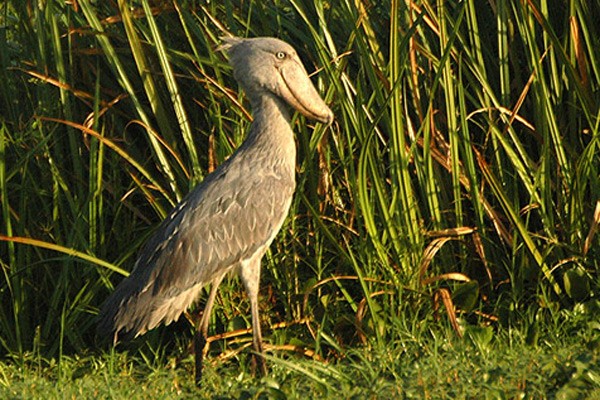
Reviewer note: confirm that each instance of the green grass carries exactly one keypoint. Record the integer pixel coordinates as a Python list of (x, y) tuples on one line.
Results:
[(456, 194), (435, 365)]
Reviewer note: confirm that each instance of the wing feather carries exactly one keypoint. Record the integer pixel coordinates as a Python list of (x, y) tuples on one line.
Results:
[(224, 220)]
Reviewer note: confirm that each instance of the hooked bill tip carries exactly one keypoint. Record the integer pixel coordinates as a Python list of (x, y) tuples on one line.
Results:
[(326, 119)]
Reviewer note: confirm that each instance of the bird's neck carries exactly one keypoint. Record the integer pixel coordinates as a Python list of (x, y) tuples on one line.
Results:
[(271, 124), (271, 115), (271, 134)]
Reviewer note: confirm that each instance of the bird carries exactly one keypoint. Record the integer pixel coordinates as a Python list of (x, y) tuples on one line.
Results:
[(227, 222)]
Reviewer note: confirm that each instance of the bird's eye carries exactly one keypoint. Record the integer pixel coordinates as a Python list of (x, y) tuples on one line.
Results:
[(281, 55)]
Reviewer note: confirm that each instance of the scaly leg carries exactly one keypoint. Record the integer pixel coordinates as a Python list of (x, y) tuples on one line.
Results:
[(250, 275), (202, 329)]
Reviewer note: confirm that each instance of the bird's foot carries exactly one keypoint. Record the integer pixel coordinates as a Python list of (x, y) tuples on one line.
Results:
[(199, 345), (259, 365)]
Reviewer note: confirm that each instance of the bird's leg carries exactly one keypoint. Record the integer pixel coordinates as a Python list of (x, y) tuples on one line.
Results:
[(202, 329), (250, 275)]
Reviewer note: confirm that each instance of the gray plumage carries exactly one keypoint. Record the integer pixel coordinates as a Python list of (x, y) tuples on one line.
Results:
[(229, 220)]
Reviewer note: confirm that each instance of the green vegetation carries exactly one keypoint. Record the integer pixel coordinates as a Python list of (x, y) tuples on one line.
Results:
[(442, 242), (502, 368)]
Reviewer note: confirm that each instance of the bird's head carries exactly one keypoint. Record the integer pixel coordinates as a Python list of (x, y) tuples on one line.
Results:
[(269, 64)]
